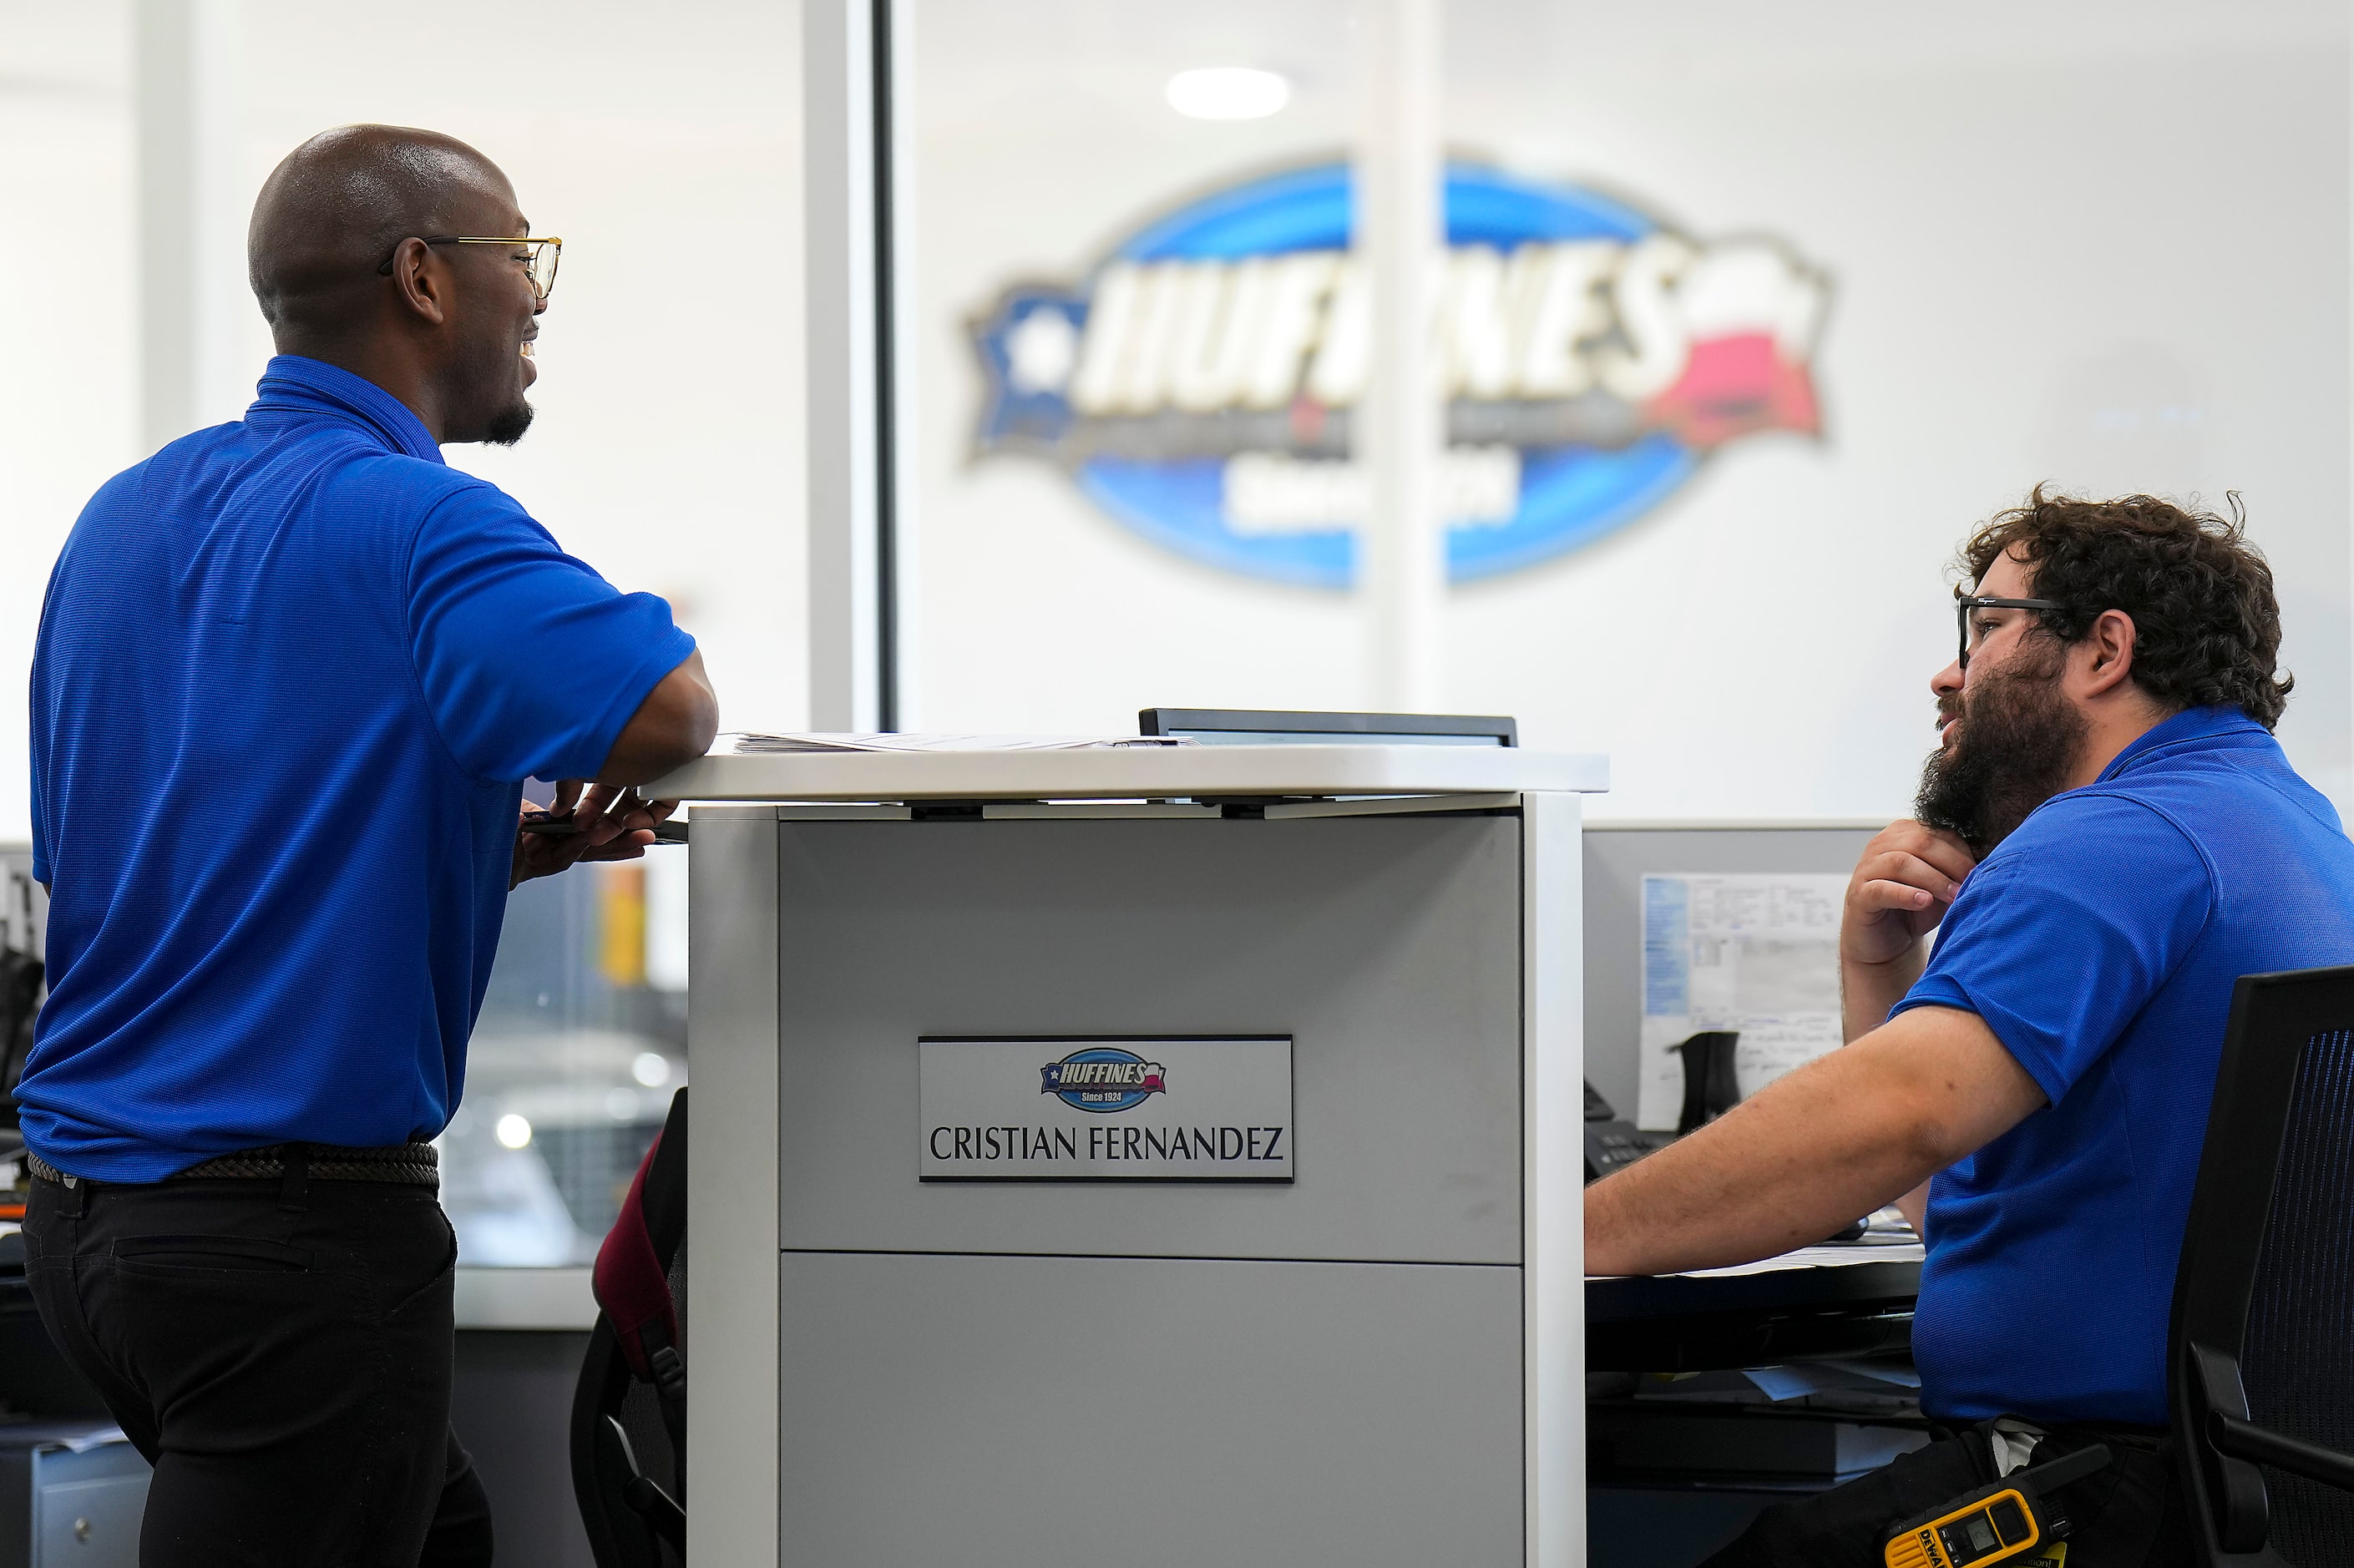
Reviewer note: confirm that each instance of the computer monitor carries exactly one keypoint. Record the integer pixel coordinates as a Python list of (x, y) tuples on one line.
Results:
[(1254, 727)]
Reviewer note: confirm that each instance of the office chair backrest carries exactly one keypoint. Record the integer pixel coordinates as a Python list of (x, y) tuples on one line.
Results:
[(628, 1411), (2264, 1302)]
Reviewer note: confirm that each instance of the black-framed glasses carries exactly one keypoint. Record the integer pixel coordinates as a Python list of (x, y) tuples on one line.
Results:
[(1964, 603), (545, 254)]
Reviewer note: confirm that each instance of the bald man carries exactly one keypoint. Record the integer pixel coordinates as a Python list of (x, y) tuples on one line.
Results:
[(290, 675)]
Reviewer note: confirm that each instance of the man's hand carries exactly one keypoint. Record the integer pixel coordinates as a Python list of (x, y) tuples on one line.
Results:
[(1905, 881), (1840, 1137), (614, 825), (1907, 878)]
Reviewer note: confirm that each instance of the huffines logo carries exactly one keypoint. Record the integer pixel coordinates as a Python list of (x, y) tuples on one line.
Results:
[(1101, 1078), (1200, 382)]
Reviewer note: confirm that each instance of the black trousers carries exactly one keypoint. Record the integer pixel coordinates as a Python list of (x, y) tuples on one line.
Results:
[(281, 1352), (2126, 1515)]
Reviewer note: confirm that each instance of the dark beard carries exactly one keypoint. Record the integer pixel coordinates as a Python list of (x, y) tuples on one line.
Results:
[(2017, 742), (507, 425)]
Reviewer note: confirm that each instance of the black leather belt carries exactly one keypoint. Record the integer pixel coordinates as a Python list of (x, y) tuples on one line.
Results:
[(417, 1164)]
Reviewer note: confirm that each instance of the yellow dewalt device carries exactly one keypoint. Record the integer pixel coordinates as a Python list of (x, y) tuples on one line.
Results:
[(1997, 1523)]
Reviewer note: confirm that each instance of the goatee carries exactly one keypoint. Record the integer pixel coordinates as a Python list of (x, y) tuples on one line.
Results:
[(2012, 750), (507, 425)]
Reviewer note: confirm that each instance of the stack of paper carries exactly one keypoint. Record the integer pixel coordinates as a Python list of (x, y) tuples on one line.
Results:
[(754, 742), (1831, 1255)]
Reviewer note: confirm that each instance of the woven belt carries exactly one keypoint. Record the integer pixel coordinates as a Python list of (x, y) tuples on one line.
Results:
[(417, 1164)]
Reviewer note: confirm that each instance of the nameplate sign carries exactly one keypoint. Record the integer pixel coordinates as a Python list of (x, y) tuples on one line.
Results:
[(1123, 1108)]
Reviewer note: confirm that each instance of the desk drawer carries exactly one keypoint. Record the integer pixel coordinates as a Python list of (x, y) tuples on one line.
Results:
[(87, 1507), (1387, 948), (1007, 1412)]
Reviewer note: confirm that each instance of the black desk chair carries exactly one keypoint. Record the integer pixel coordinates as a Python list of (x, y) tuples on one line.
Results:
[(2261, 1379), (628, 1411)]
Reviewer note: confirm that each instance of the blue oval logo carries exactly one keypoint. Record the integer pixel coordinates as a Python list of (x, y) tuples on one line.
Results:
[(1200, 383), (1102, 1079)]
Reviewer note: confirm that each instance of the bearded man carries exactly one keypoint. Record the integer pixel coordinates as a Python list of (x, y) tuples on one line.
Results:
[(2107, 837)]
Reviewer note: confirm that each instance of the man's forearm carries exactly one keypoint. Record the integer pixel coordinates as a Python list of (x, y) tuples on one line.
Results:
[(1783, 1170), (1836, 1139)]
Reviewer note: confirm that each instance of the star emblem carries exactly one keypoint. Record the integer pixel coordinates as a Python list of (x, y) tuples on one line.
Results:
[(1040, 351)]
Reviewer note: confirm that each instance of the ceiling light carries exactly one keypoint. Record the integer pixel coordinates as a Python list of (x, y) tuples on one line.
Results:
[(1227, 92)]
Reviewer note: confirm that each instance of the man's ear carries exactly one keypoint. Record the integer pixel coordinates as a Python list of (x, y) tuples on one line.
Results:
[(2104, 657), (417, 278)]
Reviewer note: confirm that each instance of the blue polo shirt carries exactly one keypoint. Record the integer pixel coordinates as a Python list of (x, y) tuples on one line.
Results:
[(291, 674), (2100, 943)]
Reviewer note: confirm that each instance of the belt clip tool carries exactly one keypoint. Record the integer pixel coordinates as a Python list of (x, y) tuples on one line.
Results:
[(1997, 1523)]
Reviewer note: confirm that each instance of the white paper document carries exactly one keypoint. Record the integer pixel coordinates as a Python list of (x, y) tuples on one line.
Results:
[(827, 742), (1756, 953), (1831, 1255), (1823, 1254)]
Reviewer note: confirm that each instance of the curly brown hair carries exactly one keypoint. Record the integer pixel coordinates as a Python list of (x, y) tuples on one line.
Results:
[(2206, 625)]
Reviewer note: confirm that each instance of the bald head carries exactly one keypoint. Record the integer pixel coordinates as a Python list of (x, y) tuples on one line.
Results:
[(332, 212), (341, 262)]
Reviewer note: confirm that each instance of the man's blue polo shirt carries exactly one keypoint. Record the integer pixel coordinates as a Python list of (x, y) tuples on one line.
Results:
[(290, 675), (2100, 943)]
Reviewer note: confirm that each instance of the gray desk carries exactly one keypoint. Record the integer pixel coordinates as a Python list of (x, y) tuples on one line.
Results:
[(1677, 1323), (65, 1502), (1377, 1362)]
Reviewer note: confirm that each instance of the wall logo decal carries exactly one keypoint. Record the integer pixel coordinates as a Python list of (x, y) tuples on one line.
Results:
[(1199, 385), (1102, 1079)]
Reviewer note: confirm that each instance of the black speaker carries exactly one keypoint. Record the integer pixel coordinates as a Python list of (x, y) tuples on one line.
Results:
[(1710, 1087)]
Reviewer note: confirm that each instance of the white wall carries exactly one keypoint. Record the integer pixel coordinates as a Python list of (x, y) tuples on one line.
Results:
[(69, 350), (662, 143), (2103, 244)]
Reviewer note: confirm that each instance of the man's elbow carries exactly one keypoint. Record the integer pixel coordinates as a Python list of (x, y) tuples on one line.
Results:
[(673, 726), (1943, 1087), (689, 730), (1928, 1142)]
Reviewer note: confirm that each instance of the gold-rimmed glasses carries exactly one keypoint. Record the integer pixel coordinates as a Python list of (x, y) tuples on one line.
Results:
[(545, 254)]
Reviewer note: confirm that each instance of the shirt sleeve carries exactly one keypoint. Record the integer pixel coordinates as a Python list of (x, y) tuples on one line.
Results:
[(2057, 945), (40, 829), (531, 663)]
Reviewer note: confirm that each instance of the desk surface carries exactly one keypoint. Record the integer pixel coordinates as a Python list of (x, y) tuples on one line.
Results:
[(1684, 1322), (1133, 773)]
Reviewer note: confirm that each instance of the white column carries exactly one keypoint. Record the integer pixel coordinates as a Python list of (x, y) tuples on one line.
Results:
[(904, 572), (1552, 1208), (1402, 434), (192, 207), (838, 219)]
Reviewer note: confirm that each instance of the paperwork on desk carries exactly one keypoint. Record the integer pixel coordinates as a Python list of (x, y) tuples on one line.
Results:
[(1831, 1255), (1828, 1379), (1874, 1248), (1756, 953), (843, 742)]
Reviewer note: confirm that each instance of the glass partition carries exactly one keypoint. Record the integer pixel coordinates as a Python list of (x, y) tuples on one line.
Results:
[(1086, 346), (581, 1042), (1746, 318)]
